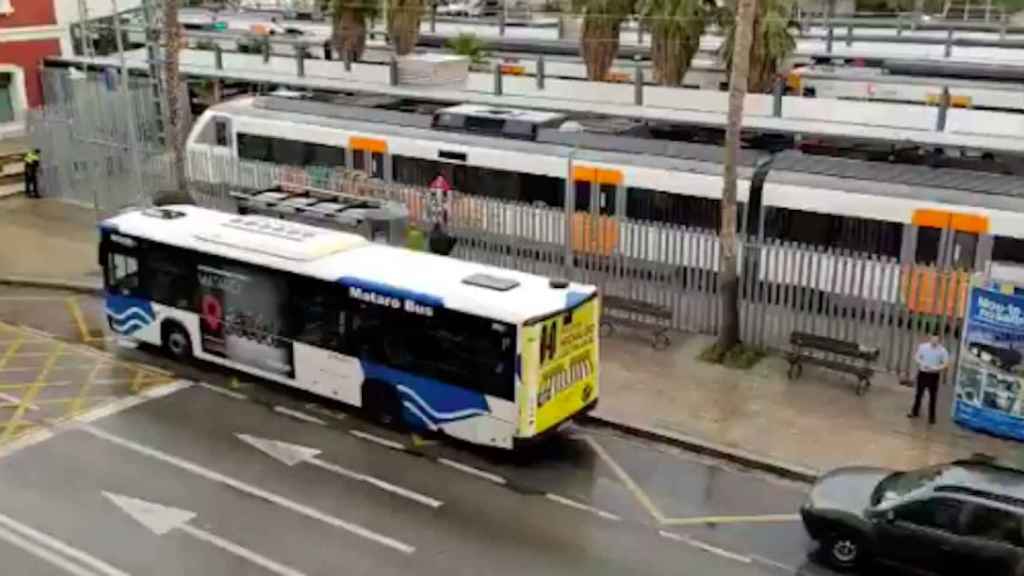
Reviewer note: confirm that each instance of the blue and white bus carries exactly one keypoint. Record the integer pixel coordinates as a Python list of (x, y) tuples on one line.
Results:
[(484, 354)]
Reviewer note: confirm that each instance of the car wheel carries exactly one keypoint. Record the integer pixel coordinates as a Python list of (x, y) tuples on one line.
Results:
[(844, 551), (176, 341)]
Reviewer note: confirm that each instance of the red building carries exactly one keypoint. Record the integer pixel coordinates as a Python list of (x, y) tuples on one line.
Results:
[(29, 32)]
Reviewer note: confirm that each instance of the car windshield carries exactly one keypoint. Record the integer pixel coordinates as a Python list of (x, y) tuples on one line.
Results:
[(899, 484)]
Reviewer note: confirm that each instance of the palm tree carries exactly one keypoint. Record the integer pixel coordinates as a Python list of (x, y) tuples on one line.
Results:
[(468, 45), (599, 41), (404, 24), (676, 27), (176, 131), (729, 286), (774, 30), (348, 26)]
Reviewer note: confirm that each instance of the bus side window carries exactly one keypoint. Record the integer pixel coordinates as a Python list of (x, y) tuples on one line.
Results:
[(122, 273)]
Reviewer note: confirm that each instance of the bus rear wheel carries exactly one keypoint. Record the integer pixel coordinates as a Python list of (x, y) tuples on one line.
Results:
[(176, 341), (381, 402)]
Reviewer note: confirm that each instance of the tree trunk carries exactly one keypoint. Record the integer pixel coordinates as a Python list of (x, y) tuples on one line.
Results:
[(729, 332), (404, 24), (600, 44), (671, 55), (176, 131), (350, 34)]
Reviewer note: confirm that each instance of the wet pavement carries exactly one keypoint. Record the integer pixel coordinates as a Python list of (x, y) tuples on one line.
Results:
[(183, 479)]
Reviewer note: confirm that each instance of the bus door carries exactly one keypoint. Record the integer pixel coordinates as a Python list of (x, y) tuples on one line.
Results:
[(946, 252), (369, 155), (599, 201)]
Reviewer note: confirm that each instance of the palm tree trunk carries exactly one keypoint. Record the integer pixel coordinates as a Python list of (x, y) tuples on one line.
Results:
[(600, 44), (404, 24), (175, 131), (729, 288), (350, 33)]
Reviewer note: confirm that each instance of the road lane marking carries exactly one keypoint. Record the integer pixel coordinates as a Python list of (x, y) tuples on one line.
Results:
[(96, 565), (29, 396), (291, 454), (581, 506), (769, 562), (76, 314), (43, 554), (249, 489), (11, 351), (223, 391), (161, 519), (705, 547), (759, 519), (473, 471), (298, 415), (626, 479), (377, 440)]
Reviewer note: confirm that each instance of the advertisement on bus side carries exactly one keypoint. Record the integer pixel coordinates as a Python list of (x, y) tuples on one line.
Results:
[(241, 317), (563, 351)]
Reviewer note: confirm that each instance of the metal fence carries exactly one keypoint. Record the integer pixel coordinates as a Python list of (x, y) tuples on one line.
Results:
[(101, 145), (785, 287)]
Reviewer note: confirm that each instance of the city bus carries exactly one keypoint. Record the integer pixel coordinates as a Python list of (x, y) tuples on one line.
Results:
[(484, 354)]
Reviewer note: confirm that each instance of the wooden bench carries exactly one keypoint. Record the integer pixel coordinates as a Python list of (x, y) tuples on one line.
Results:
[(838, 355), (617, 310)]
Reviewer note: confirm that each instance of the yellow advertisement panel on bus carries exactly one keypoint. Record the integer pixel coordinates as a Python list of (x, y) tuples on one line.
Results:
[(560, 366)]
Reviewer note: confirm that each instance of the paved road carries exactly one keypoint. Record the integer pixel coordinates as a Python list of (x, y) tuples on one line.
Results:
[(193, 478)]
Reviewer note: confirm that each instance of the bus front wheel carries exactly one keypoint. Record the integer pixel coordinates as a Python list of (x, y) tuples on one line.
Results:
[(176, 341), (381, 403)]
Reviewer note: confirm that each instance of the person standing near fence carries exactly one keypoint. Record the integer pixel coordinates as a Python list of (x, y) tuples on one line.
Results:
[(32, 173), (932, 360)]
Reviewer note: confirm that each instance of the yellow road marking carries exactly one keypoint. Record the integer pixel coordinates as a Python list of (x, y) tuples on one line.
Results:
[(11, 351), (419, 441), (76, 402), (758, 519), (76, 314), (28, 397), (629, 483)]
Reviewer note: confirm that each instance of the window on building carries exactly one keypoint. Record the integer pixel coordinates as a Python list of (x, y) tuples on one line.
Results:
[(6, 92)]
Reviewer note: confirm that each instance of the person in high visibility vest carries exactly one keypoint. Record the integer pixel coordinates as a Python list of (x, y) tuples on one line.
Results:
[(32, 173)]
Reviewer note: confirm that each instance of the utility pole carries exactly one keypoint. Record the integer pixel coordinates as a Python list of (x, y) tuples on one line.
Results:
[(151, 14)]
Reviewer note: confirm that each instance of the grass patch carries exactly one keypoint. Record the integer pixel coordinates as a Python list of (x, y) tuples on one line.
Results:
[(740, 357)]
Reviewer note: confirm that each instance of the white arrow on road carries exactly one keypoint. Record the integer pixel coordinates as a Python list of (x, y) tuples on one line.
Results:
[(292, 454), (162, 519)]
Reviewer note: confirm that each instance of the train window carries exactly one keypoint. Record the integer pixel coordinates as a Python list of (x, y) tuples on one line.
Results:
[(1005, 249), (582, 196), (841, 232), (646, 204), (480, 181), (608, 198), (252, 147), (319, 155), (222, 130), (928, 245)]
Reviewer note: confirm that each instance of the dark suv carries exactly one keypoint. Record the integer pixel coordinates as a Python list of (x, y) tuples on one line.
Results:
[(961, 518)]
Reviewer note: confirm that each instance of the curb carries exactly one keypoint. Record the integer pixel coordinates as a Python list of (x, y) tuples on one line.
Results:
[(52, 283), (691, 444)]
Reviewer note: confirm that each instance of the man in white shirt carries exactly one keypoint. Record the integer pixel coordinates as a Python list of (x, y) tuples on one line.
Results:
[(932, 360)]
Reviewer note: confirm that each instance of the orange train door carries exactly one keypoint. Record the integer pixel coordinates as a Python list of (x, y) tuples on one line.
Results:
[(596, 206), (945, 255), (370, 156)]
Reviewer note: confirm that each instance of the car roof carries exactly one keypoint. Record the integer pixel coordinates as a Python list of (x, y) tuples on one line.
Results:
[(983, 480)]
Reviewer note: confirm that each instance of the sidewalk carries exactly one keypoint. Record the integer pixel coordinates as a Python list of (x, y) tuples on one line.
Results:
[(814, 423), (48, 240), (758, 416)]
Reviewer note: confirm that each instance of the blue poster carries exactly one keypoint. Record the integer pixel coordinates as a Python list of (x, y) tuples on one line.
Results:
[(990, 375)]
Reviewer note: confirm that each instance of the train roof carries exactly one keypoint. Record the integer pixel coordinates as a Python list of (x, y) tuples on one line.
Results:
[(966, 187), (351, 260)]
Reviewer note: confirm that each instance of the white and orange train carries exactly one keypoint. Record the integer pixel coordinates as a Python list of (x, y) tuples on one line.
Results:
[(904, 214)]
